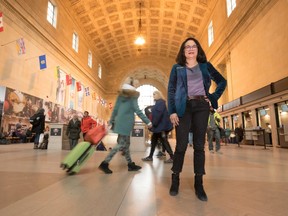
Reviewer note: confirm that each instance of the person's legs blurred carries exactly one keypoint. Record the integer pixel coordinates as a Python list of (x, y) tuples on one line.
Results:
[(154, 140), (210, 135), (121, 144), (217, 140)]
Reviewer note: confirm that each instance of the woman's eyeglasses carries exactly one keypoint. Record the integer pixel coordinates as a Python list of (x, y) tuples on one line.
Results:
[(188, 47)]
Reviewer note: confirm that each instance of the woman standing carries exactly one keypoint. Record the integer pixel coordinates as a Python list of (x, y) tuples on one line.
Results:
[(161, 126), (188, 105)]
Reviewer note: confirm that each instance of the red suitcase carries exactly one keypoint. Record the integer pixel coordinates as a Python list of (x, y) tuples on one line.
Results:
[(96, 134)]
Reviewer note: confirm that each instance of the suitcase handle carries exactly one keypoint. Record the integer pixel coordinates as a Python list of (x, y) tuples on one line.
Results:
[(81, 159)]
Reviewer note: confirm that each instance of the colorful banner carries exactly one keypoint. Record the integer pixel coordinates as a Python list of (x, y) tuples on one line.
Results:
[(20, 46), (98, 99), (72, 94), (94, 96), (68, 79), (60, 90), (80, 98), (87, 91), (56, 72), (78, 86), (1, 22), (42, 62)]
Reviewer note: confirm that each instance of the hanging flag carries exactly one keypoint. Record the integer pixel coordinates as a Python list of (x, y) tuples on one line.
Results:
[(87, 91), (1, 22), (80, 98), (98, 99), (94, 95), (68, 79), (42, 62), (20, 46), (57, 72), (102, 101), (78, 86)]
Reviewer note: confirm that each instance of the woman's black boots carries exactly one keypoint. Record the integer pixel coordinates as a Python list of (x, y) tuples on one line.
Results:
[(199, 190), (175, 184)]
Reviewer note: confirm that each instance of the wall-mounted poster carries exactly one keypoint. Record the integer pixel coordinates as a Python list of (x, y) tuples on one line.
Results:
[(2, 98), (20, 104), (48, 110), (55, 132), (60, 91), (55, 115), (72, 94)]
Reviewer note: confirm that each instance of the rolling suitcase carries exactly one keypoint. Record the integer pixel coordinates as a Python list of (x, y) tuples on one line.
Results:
[(77, 157), (83, 150)]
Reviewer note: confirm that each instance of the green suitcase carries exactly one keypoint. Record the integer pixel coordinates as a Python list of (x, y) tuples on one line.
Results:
[(77, 157)]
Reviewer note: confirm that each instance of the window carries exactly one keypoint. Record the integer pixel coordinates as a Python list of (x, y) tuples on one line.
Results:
[(231, 5), (99, 71), (75, 41), (51, 14), (146, 96), (210, 34), (90, 59)]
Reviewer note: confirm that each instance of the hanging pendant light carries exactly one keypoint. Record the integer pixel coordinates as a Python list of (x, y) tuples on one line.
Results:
[(140, 39)]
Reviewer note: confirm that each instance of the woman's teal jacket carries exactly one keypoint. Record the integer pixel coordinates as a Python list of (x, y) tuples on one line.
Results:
[(177, 87)]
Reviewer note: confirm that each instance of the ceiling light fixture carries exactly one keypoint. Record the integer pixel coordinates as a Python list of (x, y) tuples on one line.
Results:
[(140, 39)]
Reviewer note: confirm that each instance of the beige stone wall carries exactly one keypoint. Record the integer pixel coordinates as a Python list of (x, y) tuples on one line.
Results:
[(22, 72), (250, 45), (250, 52), (261, 56)]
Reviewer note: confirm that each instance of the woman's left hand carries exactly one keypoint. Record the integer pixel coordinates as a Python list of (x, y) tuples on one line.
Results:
[(174, 119)]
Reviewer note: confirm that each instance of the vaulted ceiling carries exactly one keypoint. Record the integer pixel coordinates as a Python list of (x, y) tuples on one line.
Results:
[(112, 26)]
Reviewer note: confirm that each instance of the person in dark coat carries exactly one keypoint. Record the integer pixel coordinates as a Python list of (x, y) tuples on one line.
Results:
[(122, 120), (161, 126), (73, 131), (38, 125), (239, 132), (189, 100)]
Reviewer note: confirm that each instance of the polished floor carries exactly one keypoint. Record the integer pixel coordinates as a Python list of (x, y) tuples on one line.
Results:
[(245, 181)]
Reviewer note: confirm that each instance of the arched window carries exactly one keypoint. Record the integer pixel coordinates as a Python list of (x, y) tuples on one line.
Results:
[(52, 13), (146, 96), (99, 71), (210, 34), (75, 41), (231, 5), (90, 59)]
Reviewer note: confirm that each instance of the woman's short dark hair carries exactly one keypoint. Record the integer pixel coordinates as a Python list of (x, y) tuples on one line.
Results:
[(201, 56)]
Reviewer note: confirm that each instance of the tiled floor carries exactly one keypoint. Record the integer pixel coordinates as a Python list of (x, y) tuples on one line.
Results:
[(246, 181)]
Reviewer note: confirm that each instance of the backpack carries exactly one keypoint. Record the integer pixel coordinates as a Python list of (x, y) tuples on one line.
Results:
[(34, 120), (148, 112), (101, 147)]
